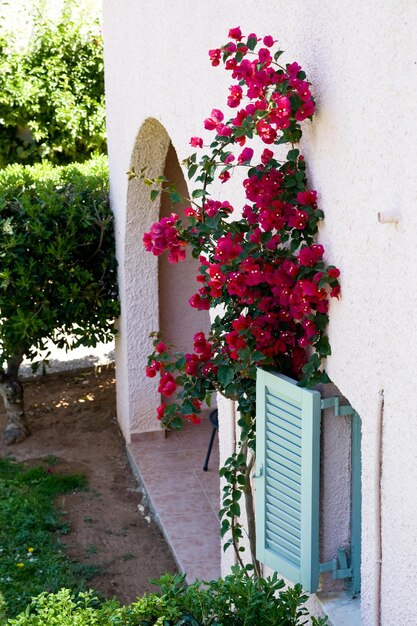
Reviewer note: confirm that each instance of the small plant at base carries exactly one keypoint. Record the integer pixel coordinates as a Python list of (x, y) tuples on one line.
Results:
[(233, 601), (259, 262)]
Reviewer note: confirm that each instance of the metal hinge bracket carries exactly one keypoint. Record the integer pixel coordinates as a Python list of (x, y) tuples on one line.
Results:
[(339, 566), (334, 403)]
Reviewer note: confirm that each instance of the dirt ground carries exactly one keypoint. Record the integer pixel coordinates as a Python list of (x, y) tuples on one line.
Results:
[(74, 430)]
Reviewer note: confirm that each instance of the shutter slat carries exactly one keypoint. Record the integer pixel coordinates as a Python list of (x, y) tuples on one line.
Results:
[(276, 442), (284, 455), (277, 434), (292, 527), (279, 547), (286, 416), (294, 494), (277, 502), (292, 471), (290, 479), (288, 431)]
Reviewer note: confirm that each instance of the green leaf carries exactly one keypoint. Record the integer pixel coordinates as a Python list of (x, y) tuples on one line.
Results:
[(199, 193), (225, 375), (154, 194), (293, 154), (192, 170), (175, 197)]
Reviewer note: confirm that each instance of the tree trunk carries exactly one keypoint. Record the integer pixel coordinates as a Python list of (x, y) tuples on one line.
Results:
[(11, 390)]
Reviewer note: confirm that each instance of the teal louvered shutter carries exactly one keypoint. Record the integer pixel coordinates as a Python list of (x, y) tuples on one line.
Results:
[(288, 474)]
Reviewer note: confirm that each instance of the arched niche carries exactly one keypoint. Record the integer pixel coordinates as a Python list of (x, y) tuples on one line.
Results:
[(154, 292)]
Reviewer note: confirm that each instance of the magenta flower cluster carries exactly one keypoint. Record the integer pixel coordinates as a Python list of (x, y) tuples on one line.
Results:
[(259, 260)]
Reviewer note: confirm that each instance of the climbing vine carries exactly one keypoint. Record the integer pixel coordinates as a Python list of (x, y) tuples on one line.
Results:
[(259, 261)]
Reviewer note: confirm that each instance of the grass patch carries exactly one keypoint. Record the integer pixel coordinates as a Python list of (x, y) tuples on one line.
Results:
[(32, 558)]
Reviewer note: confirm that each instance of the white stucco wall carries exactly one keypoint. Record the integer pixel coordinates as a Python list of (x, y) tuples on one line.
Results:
[(361, 151)]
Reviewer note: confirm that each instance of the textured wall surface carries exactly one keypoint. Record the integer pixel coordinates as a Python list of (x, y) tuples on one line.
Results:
[(361, 153)]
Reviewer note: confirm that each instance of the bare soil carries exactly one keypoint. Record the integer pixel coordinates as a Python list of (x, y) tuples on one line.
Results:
[(72, 417)]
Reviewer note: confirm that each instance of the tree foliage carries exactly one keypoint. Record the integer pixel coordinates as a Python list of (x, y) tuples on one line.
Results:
[(58, 266), (52, 92)]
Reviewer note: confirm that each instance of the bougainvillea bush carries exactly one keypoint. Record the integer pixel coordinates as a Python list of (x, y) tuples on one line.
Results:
[(258, 260)]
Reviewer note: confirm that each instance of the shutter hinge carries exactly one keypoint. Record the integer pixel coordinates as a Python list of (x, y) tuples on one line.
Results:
[(259, 472), (338, 566), (334, 403)]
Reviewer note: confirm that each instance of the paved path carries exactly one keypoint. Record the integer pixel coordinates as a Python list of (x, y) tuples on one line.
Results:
[(61, 361)]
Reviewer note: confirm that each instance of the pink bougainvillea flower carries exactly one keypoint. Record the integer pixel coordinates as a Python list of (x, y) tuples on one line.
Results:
[(245, 155), (333, 272), (302, 88), (269, 41), (227, 249), (223, 130), (163, 236), (167, 385), (190, 212), (266, 132), (196, 142), (335, 291), (194, 419), (283, 108), (216, 281), (160, 411), (230, 158), (293, 69), (298, 219), (215, 56), (309, 255), (216, 116), (224, 176), (235, 96), (307, 198), (199, 301), (235, 33), (264, 56), (209, 369), (306, 110), (212, 207), (161, 347), (191, 364), (266, 156)]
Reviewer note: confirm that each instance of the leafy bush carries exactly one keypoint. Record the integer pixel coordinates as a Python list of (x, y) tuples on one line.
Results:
[(58, 266), (52, 93), (235, 600)]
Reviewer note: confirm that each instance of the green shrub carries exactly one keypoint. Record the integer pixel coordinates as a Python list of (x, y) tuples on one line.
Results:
[(233, 601), (52, 93), (58, 266)]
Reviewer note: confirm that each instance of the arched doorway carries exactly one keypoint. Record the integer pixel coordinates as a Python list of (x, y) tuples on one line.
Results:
[(155, 293), (155, 296)]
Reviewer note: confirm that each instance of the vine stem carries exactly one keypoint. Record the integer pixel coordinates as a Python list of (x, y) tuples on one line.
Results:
[(250, 509)]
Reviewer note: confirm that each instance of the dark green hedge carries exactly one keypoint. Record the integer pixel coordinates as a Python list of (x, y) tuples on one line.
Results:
[(57, 266)]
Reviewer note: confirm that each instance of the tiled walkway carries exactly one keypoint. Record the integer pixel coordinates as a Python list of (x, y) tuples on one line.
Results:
[(184, 498)]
